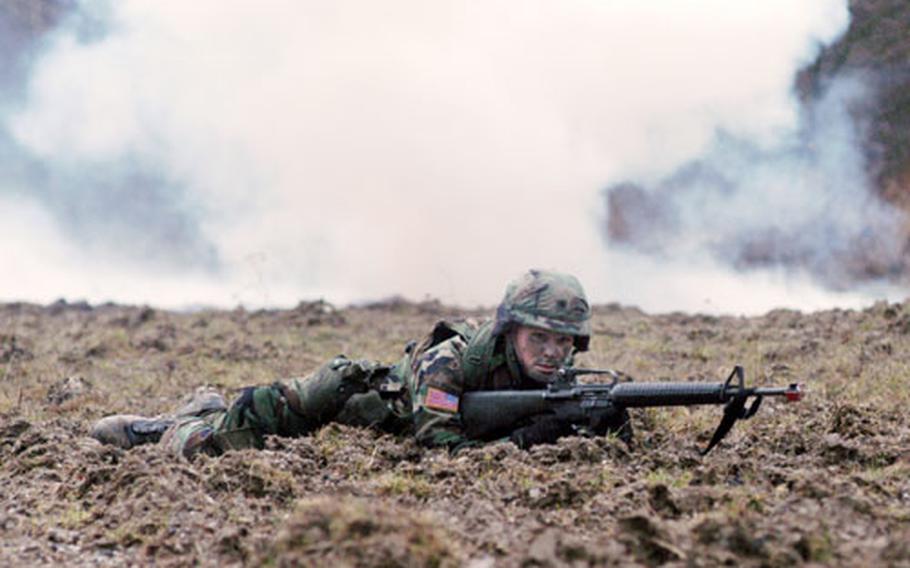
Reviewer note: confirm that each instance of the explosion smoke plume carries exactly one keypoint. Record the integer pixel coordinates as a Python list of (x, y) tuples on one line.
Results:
[(225, 151), (803, 203)]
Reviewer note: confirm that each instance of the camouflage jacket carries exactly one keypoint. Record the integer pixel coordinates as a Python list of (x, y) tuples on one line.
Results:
[(341, 390), (456, 358)]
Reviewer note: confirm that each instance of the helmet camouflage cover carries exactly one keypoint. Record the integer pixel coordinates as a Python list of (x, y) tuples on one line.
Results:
[(548, 300)]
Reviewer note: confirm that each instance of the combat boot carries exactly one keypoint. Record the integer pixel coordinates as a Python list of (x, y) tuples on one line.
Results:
[(127, 430)]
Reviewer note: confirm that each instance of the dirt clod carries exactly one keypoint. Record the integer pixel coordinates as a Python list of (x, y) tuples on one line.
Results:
[(358, 532)]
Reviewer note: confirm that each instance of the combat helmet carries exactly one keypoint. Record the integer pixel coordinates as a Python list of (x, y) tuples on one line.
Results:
[(548, 300)]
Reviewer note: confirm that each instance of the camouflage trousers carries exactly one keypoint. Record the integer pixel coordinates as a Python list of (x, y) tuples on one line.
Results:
[(212, 434), (342, 391)]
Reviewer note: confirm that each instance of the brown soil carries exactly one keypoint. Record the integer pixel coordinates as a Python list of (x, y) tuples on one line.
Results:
[(825, 481)]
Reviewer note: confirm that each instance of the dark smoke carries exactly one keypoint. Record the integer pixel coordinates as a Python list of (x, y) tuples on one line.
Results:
[(22, 25)]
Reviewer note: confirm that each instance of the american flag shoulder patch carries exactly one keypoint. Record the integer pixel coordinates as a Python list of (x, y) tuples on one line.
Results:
[(441, 400)]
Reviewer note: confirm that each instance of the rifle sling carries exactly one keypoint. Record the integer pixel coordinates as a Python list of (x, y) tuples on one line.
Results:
[(733, 411)]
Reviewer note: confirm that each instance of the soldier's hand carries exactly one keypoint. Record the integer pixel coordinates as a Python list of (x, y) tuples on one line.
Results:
[(356, 372), (543, 430)]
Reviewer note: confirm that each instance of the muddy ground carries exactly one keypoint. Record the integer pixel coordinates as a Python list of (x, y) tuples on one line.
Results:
[(825, 481)]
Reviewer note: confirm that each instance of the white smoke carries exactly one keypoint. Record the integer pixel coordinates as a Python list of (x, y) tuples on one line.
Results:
[(353, 149), (803, 202)]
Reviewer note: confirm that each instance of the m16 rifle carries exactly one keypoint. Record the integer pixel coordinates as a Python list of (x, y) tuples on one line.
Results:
[(488, 414)]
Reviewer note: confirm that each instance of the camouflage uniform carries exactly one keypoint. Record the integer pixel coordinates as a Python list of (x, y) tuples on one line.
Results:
[(342, 390), (465, 357), (420, 393), (470, 359)]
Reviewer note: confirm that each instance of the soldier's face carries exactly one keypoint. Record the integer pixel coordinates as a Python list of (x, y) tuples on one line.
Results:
[(541, 352)]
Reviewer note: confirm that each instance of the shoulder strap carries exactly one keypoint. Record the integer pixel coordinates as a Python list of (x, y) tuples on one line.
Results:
[(479, 356), (442, 331), (445, 329)]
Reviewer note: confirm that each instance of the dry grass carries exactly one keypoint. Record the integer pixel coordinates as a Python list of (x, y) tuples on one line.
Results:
[(824, 481)]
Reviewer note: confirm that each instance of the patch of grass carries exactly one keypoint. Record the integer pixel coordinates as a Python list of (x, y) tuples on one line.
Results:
[(816, 546), (669, 477), (395, 483), (75, 516), (125, 534)]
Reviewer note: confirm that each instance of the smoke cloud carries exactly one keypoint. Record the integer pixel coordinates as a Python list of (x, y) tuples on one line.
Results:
[(223, 151), (802, 204)]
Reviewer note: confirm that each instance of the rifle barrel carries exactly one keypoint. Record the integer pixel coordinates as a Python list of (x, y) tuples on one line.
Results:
[(633, 395)]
